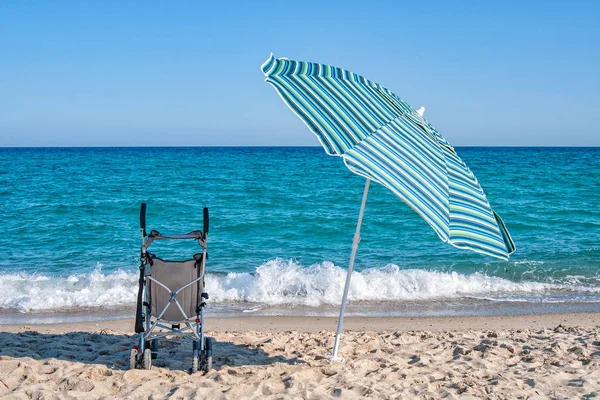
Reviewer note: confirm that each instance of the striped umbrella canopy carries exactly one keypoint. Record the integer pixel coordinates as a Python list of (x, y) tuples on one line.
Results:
[(380, 137)]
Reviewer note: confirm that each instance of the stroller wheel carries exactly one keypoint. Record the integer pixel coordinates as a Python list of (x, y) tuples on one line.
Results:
[(195, 358), (154, 348), (195, 363), (147, 359), (208, 348), (133, 359)]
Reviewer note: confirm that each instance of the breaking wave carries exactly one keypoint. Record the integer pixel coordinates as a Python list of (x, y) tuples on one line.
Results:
[(277, 282)]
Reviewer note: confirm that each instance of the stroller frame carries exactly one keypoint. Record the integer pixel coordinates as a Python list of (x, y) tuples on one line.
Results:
[(147, 321)]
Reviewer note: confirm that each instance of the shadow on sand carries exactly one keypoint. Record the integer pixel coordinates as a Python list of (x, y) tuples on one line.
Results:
[(113, 350)]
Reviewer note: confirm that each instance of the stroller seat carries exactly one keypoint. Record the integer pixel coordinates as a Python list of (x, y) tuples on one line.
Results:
[(171, 299), (170, 276)]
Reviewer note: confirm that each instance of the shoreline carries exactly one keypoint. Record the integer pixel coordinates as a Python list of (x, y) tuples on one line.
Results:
[(405, 310), (584, 320)]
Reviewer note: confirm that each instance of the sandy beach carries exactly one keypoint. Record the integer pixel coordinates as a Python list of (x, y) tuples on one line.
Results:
[(542, 356)]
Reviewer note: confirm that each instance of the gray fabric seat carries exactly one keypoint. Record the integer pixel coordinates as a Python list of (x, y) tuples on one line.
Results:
[(174, 275)]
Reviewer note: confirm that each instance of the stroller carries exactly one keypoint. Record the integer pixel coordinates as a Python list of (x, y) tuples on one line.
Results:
[(172, 297)]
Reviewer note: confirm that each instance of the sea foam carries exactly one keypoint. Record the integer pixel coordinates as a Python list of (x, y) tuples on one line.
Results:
[(276, 282)]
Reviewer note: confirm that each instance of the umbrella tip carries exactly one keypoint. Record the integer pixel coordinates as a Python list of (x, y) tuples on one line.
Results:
[(421, 111), (267, 65)]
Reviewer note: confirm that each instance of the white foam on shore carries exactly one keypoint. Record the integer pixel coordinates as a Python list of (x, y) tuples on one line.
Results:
[(277, 282), (280, 282), (24, 292)]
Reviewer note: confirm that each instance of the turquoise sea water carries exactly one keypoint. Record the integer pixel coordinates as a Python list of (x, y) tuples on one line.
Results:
[(282, 221)]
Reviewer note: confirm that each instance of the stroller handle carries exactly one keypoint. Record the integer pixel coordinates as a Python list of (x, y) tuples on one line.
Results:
[(143, 218), (205, 221)]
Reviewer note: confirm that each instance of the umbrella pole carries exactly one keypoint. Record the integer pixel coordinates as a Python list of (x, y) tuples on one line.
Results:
[(349, 273)]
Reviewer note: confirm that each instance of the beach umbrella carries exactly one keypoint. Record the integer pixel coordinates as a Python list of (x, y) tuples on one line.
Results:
[(380, 137)]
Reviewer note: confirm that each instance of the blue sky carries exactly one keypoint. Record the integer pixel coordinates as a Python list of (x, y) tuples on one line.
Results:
[(76, 73)]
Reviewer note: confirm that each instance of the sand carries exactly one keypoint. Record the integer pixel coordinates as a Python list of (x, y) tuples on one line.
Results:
[(548, 356)]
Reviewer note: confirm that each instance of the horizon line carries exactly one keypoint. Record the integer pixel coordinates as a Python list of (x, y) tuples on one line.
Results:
[(266, 146)]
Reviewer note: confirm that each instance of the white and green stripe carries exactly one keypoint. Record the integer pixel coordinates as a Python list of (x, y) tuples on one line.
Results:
[(382, 138)]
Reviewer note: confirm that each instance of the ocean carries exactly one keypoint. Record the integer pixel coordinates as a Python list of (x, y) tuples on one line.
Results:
[(282, 221)]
